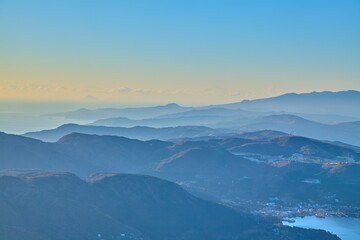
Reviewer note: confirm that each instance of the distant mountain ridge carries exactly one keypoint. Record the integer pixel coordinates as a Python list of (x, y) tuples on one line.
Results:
[(343, 102), (344, 132), (139, 132), (135, 112), (288, 113), (290, 124)]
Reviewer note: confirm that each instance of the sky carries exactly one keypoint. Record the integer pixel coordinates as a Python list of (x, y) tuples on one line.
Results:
[(184, 51)]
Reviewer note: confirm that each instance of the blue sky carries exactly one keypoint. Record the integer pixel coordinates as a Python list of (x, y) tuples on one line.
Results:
[(176, 51)]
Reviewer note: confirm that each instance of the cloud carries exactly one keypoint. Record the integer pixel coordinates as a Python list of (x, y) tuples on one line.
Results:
[(125, 90)]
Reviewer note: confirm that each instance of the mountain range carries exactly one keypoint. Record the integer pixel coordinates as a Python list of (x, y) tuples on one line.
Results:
[(344, 132), (122, 206), (205, 167), (227, 171), (135, 112), (343, 105), (143, 133), (331, 116)]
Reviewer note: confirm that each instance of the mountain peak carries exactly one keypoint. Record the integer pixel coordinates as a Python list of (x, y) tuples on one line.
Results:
[(173, 105)]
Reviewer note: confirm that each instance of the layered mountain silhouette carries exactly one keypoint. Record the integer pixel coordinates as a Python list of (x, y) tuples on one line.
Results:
[(142, 133), (341, 104), (344, 103), (344, 132), (287, 151), (331, 116), (202, 120), (204, 166), (135, 112)]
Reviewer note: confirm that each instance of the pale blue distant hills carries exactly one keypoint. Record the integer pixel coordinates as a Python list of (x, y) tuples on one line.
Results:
[(331, 116), (343, 103)]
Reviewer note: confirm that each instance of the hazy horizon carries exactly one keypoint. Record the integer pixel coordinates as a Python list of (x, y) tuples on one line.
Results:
[(45, 107), (187, 52), (19, 117)]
